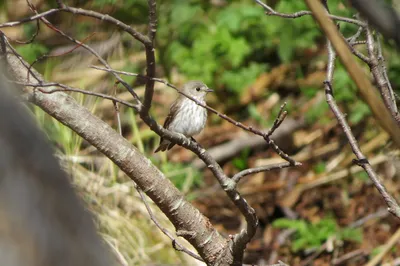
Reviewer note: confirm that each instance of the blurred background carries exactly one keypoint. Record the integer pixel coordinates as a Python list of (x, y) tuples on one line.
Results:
[(318, 213)]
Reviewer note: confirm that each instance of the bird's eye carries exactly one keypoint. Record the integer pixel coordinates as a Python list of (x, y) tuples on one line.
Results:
[(198, 89)]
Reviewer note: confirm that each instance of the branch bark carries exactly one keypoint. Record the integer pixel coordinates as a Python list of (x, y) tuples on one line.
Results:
[(186, 218)]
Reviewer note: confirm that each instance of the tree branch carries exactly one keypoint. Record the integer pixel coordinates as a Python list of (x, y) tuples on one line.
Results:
[(382, 115), (207, 241), (272, 12), (394, 208)]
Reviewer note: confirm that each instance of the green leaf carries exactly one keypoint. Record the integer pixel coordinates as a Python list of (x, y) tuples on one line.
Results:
[(309, 92), (320, 167), (237, 81), (360, 110)]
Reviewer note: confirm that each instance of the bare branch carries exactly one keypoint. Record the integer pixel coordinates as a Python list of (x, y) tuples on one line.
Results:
[(65, 88), (394, 208), (88, 48), (379, 73), (150, 60), (198, 231), (237, 177), (272, 12), (378, 13), (152, 20), (175, 243), (382, 115), (180, 212), (29, 19), (266, 135)]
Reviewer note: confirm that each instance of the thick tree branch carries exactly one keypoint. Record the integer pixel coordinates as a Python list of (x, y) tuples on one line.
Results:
[(207, 241), (188, 221)]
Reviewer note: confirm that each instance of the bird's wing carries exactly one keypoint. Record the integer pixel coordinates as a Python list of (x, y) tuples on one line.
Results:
[(172, 113)]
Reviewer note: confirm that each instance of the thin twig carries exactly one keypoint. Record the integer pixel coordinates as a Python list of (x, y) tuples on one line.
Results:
[(381, 60), (265, 168), (266, 135), (381, 80), (88, 48), (29, 19), (175, 243), (116, 108), (367, 90), (272, 12), (361, 159), (65, 88), (35, 34)]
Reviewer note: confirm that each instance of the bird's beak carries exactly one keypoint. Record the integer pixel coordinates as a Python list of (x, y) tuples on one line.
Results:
[(209, 90)]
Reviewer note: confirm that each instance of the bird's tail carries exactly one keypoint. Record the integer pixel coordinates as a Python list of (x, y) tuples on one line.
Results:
[(164, 145)]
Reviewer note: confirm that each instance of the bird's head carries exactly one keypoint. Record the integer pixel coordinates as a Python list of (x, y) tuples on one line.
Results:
[(196, 89)]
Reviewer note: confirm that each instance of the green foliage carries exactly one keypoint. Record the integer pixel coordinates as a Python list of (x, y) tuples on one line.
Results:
[(308, 235), (101, 3), (64, 138), (217, 49), (255, 114), (31, 51), (320, 167), (309, 92), (238, 80), (344, 87), (376, 251), (317, 112), (363, 176), (241, 162), (183, 176), (360, 110)]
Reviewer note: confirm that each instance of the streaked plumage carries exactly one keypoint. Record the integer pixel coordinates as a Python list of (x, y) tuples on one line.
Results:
[(185, 116)]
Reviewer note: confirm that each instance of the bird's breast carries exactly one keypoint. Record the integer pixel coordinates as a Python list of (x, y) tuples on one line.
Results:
[(190, 119)]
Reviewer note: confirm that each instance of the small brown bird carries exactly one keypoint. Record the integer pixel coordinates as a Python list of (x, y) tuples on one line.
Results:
[(185, 116)]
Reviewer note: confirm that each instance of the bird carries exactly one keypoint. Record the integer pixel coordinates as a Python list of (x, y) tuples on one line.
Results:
[(185, 116)]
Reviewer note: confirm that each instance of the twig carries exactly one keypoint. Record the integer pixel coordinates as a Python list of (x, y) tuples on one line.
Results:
[(239, 241), (150, 60), (376, 215), (152, 20), (116, 108), (381, 60), (361, 159), (35, 34), (272, 12), (382, 82), (65, 88), (266, 135), (175, 243), (381, 15), (20, 59), (29, 19), (88, 48), (181, 213), (365, 87), (265, 168), (348, 256)]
